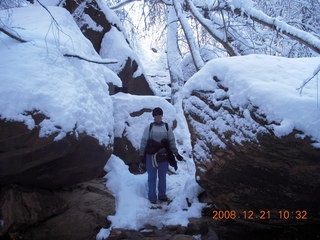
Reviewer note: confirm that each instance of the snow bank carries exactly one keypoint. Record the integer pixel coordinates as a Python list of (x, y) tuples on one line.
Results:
[(36, 76), (133, 208), (271, 84)]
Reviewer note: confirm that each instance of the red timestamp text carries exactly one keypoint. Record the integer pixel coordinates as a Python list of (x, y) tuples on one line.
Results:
[(260, 215)]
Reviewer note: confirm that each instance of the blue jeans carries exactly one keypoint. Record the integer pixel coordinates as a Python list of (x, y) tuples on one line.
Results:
[(161, 171)]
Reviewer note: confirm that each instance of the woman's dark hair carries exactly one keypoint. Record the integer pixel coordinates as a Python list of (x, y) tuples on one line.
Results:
[(157, 111)]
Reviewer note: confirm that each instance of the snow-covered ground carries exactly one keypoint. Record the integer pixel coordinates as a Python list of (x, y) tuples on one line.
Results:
[(132, 206)]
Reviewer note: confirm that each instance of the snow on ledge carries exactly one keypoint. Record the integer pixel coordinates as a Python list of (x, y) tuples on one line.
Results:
[(271, 84)]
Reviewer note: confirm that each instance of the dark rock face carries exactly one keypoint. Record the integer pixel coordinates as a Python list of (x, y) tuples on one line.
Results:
[(262, 173), (21, 208), (74, 213), (79, 10), (134, 85), (28, 160), (123, 147)]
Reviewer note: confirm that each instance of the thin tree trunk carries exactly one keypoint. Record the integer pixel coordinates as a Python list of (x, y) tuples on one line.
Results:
[(173, 55), (194, 49)]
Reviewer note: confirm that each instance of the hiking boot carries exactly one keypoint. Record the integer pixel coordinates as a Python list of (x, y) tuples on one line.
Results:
[(153, 201), (165, 199)]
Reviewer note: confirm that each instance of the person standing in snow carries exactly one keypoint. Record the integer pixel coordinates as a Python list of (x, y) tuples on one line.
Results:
[(157, 150)]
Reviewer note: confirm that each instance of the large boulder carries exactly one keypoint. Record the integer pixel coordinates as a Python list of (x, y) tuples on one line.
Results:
[(247, 155), (56, 119), (133, 84), (29, 160), (129, 68), (77, 212), (132, 114), (90, 18), (56, 129), (104, 29)]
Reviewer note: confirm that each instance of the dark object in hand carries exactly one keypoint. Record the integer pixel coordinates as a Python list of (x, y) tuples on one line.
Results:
[(142, 159), (142, 167), (179, 157)]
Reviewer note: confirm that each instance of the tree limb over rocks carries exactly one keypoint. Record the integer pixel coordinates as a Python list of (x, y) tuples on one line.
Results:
[(258, 16), (207, 24), (97, 61), (12, 35), (121, 4)]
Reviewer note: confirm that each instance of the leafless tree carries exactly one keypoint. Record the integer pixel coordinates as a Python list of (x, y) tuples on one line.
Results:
[(273, 27)]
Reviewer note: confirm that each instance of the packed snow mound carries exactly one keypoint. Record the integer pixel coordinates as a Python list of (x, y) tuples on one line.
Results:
[(35, 75), (269, 83)]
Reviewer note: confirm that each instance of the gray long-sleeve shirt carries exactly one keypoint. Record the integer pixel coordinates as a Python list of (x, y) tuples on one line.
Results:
[(157, 133)]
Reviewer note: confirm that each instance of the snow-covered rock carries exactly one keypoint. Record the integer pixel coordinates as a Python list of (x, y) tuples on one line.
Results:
[(55, 111), (255, 138), (103, 28), (56, 128), (92, 19), (129, 68)]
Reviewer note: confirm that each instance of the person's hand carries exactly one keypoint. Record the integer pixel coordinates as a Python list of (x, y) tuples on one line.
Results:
[(179, 157)]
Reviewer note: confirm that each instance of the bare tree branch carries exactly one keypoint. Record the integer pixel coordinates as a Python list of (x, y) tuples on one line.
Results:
[(53, 24), (12, 35), (207, 24), (315, 73), (48, 12), (305, 38), (103, 61), (121, 4)]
